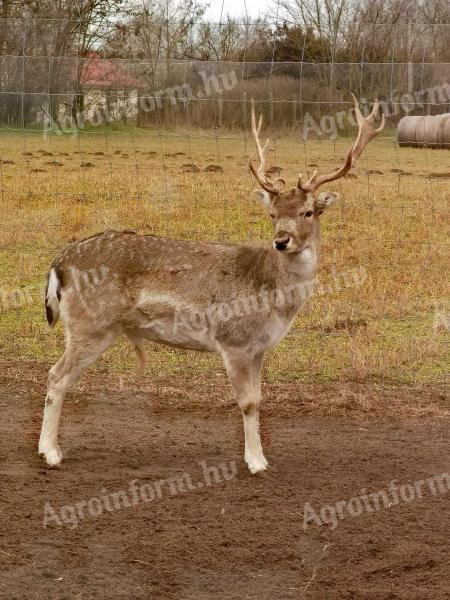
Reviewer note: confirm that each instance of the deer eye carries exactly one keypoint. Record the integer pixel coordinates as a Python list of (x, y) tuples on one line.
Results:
[(272, 216), (309, 213)]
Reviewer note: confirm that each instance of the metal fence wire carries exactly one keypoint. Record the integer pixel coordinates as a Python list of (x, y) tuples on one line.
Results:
[(122, 113), (93, 142)]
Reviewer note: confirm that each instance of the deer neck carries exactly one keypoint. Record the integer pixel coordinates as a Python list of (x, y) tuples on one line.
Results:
[(300, 266), (294, 280)]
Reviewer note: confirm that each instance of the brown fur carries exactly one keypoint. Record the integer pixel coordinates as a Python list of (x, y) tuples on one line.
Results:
[(229, 299)]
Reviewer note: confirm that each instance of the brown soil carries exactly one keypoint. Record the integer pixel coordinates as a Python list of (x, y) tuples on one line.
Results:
[(240, 538)]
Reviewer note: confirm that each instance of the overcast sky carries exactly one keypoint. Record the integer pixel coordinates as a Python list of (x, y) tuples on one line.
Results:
[(236, 8)]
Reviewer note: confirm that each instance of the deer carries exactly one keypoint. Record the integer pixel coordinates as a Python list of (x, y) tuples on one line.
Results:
[(236, 300)]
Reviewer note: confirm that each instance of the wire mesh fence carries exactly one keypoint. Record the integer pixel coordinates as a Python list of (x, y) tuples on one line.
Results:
[(71, 93), (94, 142), (45, 81), (47, 89)]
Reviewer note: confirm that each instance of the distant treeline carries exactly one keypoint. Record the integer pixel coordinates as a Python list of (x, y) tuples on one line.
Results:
[(159, 63)]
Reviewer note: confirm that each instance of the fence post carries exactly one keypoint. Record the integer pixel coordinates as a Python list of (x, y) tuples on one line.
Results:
[(244, 108), (220, 109), (271, 109)]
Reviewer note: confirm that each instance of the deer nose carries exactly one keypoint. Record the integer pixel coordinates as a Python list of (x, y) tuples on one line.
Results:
[(281, 243)]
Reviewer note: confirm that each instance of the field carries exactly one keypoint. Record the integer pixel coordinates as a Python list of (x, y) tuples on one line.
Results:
[(355, 397), (385, 246)]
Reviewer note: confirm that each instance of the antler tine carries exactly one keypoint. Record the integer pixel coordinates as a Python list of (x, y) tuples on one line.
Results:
[(375, 114), (259, 123), (357, 109), (366, 133), (256, 131), (259, 173), (308, 183)]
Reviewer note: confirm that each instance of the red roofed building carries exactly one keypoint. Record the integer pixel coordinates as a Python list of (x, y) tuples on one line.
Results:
[(105, 90), (101, 73)]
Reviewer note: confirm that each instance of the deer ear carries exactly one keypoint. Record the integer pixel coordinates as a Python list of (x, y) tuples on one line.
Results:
[(325, 200), (264, 196)]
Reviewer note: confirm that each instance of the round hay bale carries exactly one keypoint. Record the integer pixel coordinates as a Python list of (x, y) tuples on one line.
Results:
[(431, 131)]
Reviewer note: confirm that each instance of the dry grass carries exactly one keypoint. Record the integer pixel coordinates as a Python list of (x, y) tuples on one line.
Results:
[(392, 224)]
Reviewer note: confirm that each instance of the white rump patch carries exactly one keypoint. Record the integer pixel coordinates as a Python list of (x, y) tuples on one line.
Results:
[(52, 293)]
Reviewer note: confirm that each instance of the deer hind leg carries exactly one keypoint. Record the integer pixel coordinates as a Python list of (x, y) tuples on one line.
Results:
[(245, 377), (78, 356), (138, 347)]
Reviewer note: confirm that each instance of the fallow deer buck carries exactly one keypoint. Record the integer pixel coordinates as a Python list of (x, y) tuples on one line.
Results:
[(236, 300)]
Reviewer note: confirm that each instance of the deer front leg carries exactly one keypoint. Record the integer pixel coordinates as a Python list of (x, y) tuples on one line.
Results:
[(245, 378)]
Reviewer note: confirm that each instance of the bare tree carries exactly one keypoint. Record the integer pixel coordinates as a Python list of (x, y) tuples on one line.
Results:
[(158, 32), (327, 18), (53, 31), (219, 41)]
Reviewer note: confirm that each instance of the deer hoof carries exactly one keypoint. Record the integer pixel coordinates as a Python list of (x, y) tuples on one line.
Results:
[(256, 464), (53, 456)]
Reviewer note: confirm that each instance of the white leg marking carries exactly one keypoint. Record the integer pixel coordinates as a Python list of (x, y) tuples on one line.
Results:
[(48, 442), (254, 456), (66, 371), (245, 380)]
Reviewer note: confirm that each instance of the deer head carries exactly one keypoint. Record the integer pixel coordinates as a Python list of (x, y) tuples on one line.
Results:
[(295, 212)]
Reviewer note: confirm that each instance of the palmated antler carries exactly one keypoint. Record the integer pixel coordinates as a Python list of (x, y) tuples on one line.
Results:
[(260, 176), (366, 133)]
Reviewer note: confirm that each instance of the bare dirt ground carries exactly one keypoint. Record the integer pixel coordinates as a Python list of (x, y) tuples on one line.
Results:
[(242, 537)]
